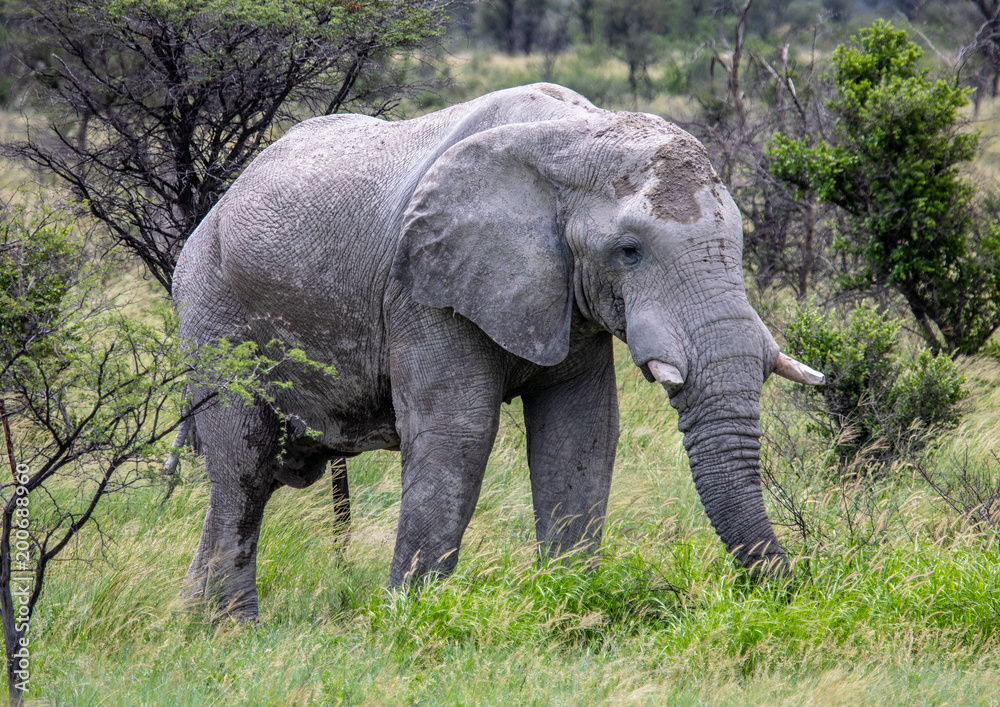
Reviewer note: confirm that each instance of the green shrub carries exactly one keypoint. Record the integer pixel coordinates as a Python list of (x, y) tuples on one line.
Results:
[(879, 404), (36, 246), (893, 164)]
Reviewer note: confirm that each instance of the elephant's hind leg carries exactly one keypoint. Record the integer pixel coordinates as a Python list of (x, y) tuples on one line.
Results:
[(245, 468), (224, 568), (241, 446)]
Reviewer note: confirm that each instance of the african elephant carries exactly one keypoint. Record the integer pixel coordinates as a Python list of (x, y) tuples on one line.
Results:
[(449, 263)]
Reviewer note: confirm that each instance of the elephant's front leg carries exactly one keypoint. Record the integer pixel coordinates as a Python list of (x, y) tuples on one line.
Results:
[(572, 434), (446, 394)]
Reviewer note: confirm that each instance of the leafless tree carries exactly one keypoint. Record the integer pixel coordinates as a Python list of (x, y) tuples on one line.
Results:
[(969, 488), (787, 235), (987, 45)]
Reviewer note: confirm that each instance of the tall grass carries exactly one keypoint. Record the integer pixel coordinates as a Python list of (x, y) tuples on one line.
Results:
[(908, 615)]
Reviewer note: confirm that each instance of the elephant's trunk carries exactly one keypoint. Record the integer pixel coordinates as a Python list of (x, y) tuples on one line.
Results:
[(721, 426)]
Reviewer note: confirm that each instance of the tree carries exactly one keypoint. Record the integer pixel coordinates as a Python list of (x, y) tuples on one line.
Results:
[(514, 24), (159, 104), (91, 393), (634, 29), (87, 391), (987, 45), (585, 11), (892, 165), (552, 37)]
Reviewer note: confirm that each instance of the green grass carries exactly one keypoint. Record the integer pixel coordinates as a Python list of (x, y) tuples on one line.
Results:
[(910, 617)]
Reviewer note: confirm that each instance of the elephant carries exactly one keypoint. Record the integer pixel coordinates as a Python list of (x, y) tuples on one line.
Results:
[(449, 263)]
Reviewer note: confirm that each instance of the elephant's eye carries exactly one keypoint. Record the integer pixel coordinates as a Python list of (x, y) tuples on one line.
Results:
[(629, 253)]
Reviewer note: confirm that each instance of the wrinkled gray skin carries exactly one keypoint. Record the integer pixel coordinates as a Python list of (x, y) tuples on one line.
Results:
[(452, 262)]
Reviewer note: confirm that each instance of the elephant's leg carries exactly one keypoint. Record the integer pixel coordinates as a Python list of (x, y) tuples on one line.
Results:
[(240, 445), (241, 458), (224, 568), (442, 476), (447, 406), (572, 433)]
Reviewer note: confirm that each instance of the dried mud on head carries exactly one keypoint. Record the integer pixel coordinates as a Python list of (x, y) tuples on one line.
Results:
[(682, 170)]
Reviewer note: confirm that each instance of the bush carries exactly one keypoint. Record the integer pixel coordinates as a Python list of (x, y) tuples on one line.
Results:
[(879, 404), (36, 269), (91, 388), (893, 165)]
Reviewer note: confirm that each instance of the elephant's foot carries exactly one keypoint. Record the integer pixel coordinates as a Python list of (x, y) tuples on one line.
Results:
[(232, 593)]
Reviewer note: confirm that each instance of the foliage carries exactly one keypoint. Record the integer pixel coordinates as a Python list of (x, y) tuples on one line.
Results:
[(160, 105), (633, 29), (513, 24), (893, 167), (644, 35), (878, 404), (968, 487), (35, 245)]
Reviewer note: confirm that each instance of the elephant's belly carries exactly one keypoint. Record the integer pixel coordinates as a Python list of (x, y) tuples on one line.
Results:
[(361, 434), (357, 414), (348, 424), (351, 409)]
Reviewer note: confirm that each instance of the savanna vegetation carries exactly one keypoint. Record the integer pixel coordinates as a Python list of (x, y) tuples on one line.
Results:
[(862, 156)]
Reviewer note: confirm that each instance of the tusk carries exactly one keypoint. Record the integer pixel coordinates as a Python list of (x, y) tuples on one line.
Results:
[(788, 367), (666, 375)]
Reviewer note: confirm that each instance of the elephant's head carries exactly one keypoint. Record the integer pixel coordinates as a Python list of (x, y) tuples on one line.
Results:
[(621, 217)]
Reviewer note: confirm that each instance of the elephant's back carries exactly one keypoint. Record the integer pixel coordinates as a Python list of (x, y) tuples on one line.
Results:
[(308, 203), (323, 206)]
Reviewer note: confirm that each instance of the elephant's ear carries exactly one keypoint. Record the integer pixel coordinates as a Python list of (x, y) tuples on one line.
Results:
[(481, 235)]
